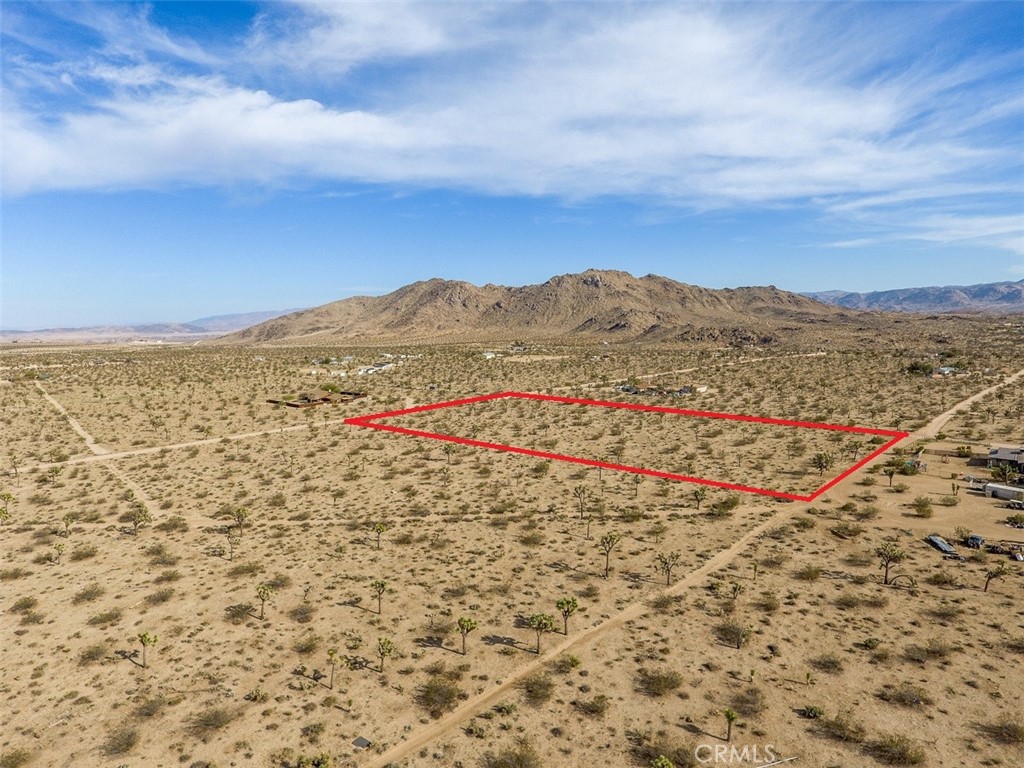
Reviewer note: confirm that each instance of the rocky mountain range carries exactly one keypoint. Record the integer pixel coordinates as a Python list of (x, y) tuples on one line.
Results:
[(596, 304), (1005, 297)]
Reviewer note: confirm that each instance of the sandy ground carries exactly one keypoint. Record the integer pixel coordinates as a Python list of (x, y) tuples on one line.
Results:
[(490, 536)]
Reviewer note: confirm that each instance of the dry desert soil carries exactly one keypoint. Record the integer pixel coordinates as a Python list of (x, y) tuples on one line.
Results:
[(192, 576)]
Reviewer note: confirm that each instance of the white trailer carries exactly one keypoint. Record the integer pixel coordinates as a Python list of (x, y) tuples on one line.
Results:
[(997, 491)]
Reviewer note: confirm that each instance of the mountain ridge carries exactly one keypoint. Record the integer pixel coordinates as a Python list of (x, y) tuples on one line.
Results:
[(599, 304), (997, 297)]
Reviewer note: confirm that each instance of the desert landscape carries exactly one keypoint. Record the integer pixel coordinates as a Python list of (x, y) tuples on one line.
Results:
[(193, 575)]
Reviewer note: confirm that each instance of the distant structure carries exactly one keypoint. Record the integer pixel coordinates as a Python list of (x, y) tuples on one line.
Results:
[(322, 397), (1003, 454)]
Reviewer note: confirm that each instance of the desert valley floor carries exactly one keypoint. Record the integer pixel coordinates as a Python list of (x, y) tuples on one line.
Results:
[(192, 576)]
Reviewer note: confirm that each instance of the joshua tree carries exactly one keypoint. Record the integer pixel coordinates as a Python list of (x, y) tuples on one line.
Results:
[(890, 555), (336, 494), (541, 623), (890, 472), (996, 573), (6, 497), (637, 479), (264, 592), (607, 544), (448, 449), (567, 606), (1004, 473), (385, 648), (465, 625), (666, 563), (379, 528), (582, 496), (378, 587), (233, 542), (736, 590), (68, 520), (139, 517), (147, 640), (332, 659), (240, 515), (662, 762), (58, 550), (699, 494), (823, 460), (730, 718), (53, 473), (15, 463)]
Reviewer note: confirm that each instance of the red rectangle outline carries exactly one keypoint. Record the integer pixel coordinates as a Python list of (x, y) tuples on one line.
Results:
[(370, 421)]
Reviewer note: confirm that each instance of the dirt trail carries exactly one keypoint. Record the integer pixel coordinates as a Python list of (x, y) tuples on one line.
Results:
[(90, 443), (484, 700), (934, 426)]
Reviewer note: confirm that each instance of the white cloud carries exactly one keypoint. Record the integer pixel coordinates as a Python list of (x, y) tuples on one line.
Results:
[(694, 105)]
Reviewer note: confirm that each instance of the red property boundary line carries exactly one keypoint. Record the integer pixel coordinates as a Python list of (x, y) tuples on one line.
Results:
[(371, 421)]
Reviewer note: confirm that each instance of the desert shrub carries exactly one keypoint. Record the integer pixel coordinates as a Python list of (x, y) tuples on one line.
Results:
[(107, 617), (172, 524), (732, 634), (658, 682), (303, 613), (812, 712), (645, 748), (160, 596), (750, 701), (520, 755), (150, 707), (121, 740), (846, 530), (537, 688), (896, 749), (10, 574), (595, 707), (1015, 645), (943, 579), (848, 601), (245, 569), (280, 581), (165, 577), (840, 728), (205, 723), (1006, 731), (86, 595), (437, 696), (565, 664), (933, 649), (91, 654), (906, 695), (768, 602), (307, 645), (24, 605), (236, 614), (828, 663), (15, 758), (83, 552), (808, 573)]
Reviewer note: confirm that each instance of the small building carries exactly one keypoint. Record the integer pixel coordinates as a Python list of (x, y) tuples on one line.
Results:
[(1000, 455), (1008, 492)]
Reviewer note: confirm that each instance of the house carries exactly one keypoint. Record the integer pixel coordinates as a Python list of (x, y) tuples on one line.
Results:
[(1004, 454)]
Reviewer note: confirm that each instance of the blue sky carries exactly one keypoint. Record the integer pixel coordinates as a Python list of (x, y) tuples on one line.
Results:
[(171, 160)]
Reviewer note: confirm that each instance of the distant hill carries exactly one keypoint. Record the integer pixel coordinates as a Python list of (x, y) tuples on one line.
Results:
[(596, 304), (985, 297), (204, 327)]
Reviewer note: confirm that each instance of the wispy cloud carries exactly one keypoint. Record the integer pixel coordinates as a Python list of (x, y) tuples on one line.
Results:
[(859, 117)]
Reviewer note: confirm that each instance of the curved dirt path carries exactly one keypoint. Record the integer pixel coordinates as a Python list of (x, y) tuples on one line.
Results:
[(934, 426), (90, 442), (481, 701)]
